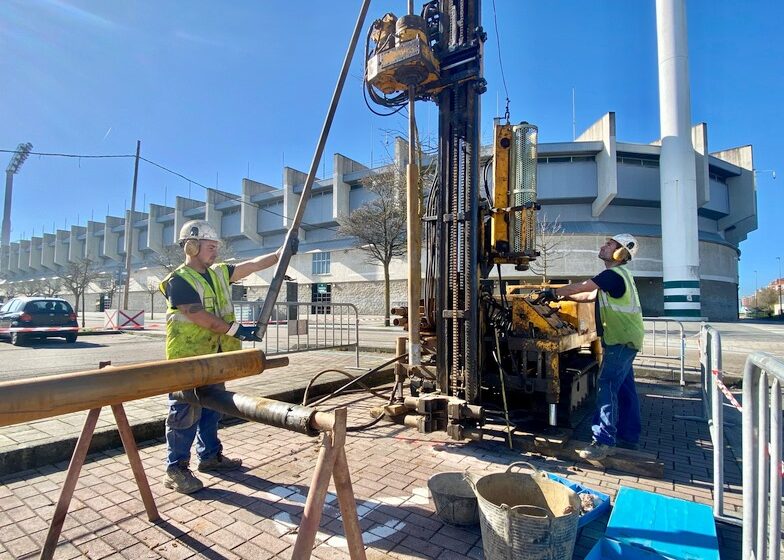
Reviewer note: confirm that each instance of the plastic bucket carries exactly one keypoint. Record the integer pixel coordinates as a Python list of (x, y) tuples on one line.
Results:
[(454, 498), (526, 517)]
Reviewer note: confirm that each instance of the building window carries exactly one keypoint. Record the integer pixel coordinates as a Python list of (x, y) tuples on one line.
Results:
[(321, 263)]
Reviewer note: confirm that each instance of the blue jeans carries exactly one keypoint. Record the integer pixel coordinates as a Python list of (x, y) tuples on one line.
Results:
[(187, 422), (617, 406)]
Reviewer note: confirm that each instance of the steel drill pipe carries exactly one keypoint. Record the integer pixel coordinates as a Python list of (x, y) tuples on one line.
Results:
[(23, 400), (297, 418)]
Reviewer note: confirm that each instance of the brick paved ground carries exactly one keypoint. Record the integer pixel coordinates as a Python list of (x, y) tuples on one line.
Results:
[(254, 513)]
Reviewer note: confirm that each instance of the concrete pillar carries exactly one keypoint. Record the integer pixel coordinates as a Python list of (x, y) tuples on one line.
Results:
[(603, 130), (111, 238), (155, 226), (249, 212), (680, 244), (340, 188), (293, 181), (76, 245), (13, 258), (47, 251), (699, 137), (742, 191), (61, 247), (93, 240), (138, 221), (24, 255), (35, 253), (214, 206)]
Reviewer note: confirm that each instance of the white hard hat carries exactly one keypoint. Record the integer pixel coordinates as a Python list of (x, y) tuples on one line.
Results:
[(626, 241), (198, 230)]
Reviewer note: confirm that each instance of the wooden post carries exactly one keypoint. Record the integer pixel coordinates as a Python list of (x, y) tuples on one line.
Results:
[(77, 460), (129, 443), (330, 464), (348, 507), (311, 515)]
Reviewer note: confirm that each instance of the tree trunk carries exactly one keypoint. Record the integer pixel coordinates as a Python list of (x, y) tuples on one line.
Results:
[(386, 294)]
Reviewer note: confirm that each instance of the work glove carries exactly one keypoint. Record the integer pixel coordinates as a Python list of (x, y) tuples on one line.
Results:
[(545, 296), (242, 332)]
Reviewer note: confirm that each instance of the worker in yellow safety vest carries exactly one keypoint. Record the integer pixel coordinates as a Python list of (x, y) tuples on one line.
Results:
[(200, 320), (617, 417)]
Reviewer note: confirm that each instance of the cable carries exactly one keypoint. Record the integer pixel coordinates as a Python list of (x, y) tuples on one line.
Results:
[(354, 379), (501, 63), (231, 196), (70, 155)]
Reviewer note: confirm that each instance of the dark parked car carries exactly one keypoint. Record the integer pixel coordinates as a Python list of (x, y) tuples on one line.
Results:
[(38, 317)]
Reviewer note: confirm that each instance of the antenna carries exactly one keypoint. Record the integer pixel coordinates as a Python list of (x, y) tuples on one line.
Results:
[(574, 120)]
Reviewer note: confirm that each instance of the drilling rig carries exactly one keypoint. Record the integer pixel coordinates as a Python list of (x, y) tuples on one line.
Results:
[(478, 347)]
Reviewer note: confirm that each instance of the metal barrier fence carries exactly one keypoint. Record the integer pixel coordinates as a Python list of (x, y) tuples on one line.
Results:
[(669, 351), (761, 417), (763, 379), (304, 326), (711, 382)]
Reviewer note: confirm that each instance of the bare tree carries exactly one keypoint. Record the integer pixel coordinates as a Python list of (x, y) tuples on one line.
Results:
[(170, 257), (31, 288), (152, 287), (9, 290), (51, 287), (550, 240), (111, 284), (379, 226), (75, 277)]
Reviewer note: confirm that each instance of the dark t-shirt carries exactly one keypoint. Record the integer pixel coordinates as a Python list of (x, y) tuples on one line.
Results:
[(181, 293), (611, 282)]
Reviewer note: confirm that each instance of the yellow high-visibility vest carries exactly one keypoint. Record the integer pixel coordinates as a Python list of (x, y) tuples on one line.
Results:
[(622, 317), (185, 338)]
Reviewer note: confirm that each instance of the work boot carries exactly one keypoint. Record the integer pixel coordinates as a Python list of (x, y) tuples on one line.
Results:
[(219, 463), (180, 479), (596, 451), (633, 445)]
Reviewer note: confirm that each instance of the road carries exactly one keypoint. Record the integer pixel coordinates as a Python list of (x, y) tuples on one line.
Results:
[(55, 356)]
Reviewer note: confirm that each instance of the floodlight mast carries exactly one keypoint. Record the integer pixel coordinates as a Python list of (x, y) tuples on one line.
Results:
[(19, 157)]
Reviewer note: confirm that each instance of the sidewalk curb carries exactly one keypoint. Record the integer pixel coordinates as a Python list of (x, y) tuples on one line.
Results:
[(56, 450)]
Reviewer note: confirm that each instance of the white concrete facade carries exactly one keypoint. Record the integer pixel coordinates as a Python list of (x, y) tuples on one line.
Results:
[(596, 187)]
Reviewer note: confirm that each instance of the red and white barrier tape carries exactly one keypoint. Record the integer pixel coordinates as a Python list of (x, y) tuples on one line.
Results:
[(36, 329), (727, 393), (736, 404)]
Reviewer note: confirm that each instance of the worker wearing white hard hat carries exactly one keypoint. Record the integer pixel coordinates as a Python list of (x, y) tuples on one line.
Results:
[(619, 323), (200, 320)]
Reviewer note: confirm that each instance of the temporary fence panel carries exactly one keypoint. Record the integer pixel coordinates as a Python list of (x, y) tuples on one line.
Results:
[(657, 345), (304, 326), (121, 319), (763, 379)]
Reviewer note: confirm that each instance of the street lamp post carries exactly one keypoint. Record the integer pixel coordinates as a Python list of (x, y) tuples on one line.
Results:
[(778, 282), (19, 157), (756, 294)]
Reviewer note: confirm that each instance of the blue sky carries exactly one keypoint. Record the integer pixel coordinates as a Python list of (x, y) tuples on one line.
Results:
[(221, 90)]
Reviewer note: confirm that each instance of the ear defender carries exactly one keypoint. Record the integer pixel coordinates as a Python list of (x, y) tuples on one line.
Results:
[(620, 254), (191, 247)]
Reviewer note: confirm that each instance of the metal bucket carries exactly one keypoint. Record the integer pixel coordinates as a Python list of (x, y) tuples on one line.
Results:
[(526, 516), (454, 498)]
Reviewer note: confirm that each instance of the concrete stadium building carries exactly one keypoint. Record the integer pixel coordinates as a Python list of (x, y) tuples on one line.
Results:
[(594, 187)]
